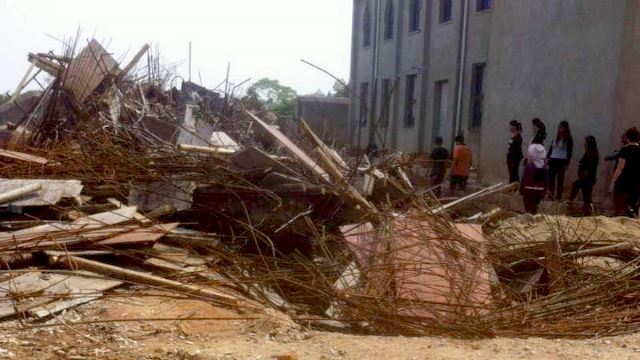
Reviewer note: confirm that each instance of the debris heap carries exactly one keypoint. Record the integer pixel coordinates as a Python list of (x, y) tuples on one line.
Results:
[(113, 177)]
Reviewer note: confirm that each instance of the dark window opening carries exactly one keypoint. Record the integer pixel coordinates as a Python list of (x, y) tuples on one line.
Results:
[(366, 27), (477, 94), (389, 20), (414, 15), (446, 10), (385, 111), (411, 102), (364, 100), (483, 5)]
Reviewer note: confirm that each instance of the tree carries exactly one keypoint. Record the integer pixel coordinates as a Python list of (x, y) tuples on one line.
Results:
[(341, 89), (273, 96)]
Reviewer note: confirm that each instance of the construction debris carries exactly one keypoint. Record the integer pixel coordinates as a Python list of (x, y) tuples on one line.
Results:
[(114, 178)]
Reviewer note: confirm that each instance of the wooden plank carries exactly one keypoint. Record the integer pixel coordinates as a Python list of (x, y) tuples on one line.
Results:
[(134, 61), (51, 193), (221, 140), (143, 278), (326, 149), (150, 234), (293, 149), (88, 70), (206, 149), (344, 186), (23, 157)]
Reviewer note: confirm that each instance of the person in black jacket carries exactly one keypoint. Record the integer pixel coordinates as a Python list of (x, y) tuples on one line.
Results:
[(514, 154), (440, 157), (559, 154), (587, 175)]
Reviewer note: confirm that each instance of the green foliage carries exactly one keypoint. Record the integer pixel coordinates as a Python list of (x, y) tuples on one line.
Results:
[(273, 96), (4, 97), (341, 89)]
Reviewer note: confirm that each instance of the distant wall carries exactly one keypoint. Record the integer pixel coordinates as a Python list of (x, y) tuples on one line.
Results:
[(556, 60), (327, 116)]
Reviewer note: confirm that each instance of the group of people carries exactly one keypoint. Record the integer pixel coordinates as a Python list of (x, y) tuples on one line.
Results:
[(544, 170)]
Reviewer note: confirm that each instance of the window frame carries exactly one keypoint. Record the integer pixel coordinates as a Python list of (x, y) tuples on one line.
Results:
[(411, 101), (389, 21), (477, 94), (364, 104), (415, 16), (367, 23), (483, 5), (386, 100), (446, 5)]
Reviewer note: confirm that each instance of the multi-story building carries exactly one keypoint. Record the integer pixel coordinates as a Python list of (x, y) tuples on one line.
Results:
[(423, 68)]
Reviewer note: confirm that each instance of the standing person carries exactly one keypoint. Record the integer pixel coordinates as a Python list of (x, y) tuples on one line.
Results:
[(534, 179), (625, 184), (587, 175), (514, 154), (560, 154), (440, 156), (462, 159), (539, 132)]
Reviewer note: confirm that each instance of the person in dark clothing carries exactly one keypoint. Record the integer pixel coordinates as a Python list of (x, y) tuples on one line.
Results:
[(539, 132), (560, 154), (440, 157), (534, 180), (625, 184), (587, 175), (514, 154)]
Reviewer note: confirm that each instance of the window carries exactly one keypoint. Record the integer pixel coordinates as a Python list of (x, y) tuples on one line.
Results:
[(411, 99), (366, 27), (414, 15), (364, 99), (477, 94), (446, 10), (483, 5), (385, 111), (389, 20)]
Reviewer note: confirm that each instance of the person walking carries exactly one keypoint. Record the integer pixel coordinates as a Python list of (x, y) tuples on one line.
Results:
[(587, 175), (625, 183), (534, 179), (514, 154), (462, 159), (439, 157), (560, 154)]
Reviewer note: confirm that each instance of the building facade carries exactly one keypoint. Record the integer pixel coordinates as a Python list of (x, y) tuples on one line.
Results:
[(427, 68)]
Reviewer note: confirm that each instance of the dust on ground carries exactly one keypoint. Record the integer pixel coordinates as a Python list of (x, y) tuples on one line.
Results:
[(269, 335), (540, 228)]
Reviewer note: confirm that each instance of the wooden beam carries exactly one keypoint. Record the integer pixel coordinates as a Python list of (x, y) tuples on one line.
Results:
[(74, 262), (292, 148), (22, 156), (206, 149)]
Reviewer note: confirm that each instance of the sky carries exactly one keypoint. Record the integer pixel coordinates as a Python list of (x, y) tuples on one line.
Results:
[(260, 38)]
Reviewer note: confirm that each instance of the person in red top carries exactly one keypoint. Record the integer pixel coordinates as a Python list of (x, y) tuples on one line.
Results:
[(462, 159)]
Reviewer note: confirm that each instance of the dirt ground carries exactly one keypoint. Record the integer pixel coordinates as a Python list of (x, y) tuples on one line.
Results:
[(270, 336)]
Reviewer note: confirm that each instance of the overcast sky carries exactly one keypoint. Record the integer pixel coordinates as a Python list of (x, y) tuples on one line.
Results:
[(260, 38)]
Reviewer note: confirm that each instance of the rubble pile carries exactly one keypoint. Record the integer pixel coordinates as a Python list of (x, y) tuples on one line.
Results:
[(118, 178)]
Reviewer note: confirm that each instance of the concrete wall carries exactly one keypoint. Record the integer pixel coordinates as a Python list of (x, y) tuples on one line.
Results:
[(556, 60), (327, 117), (574, 60)]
